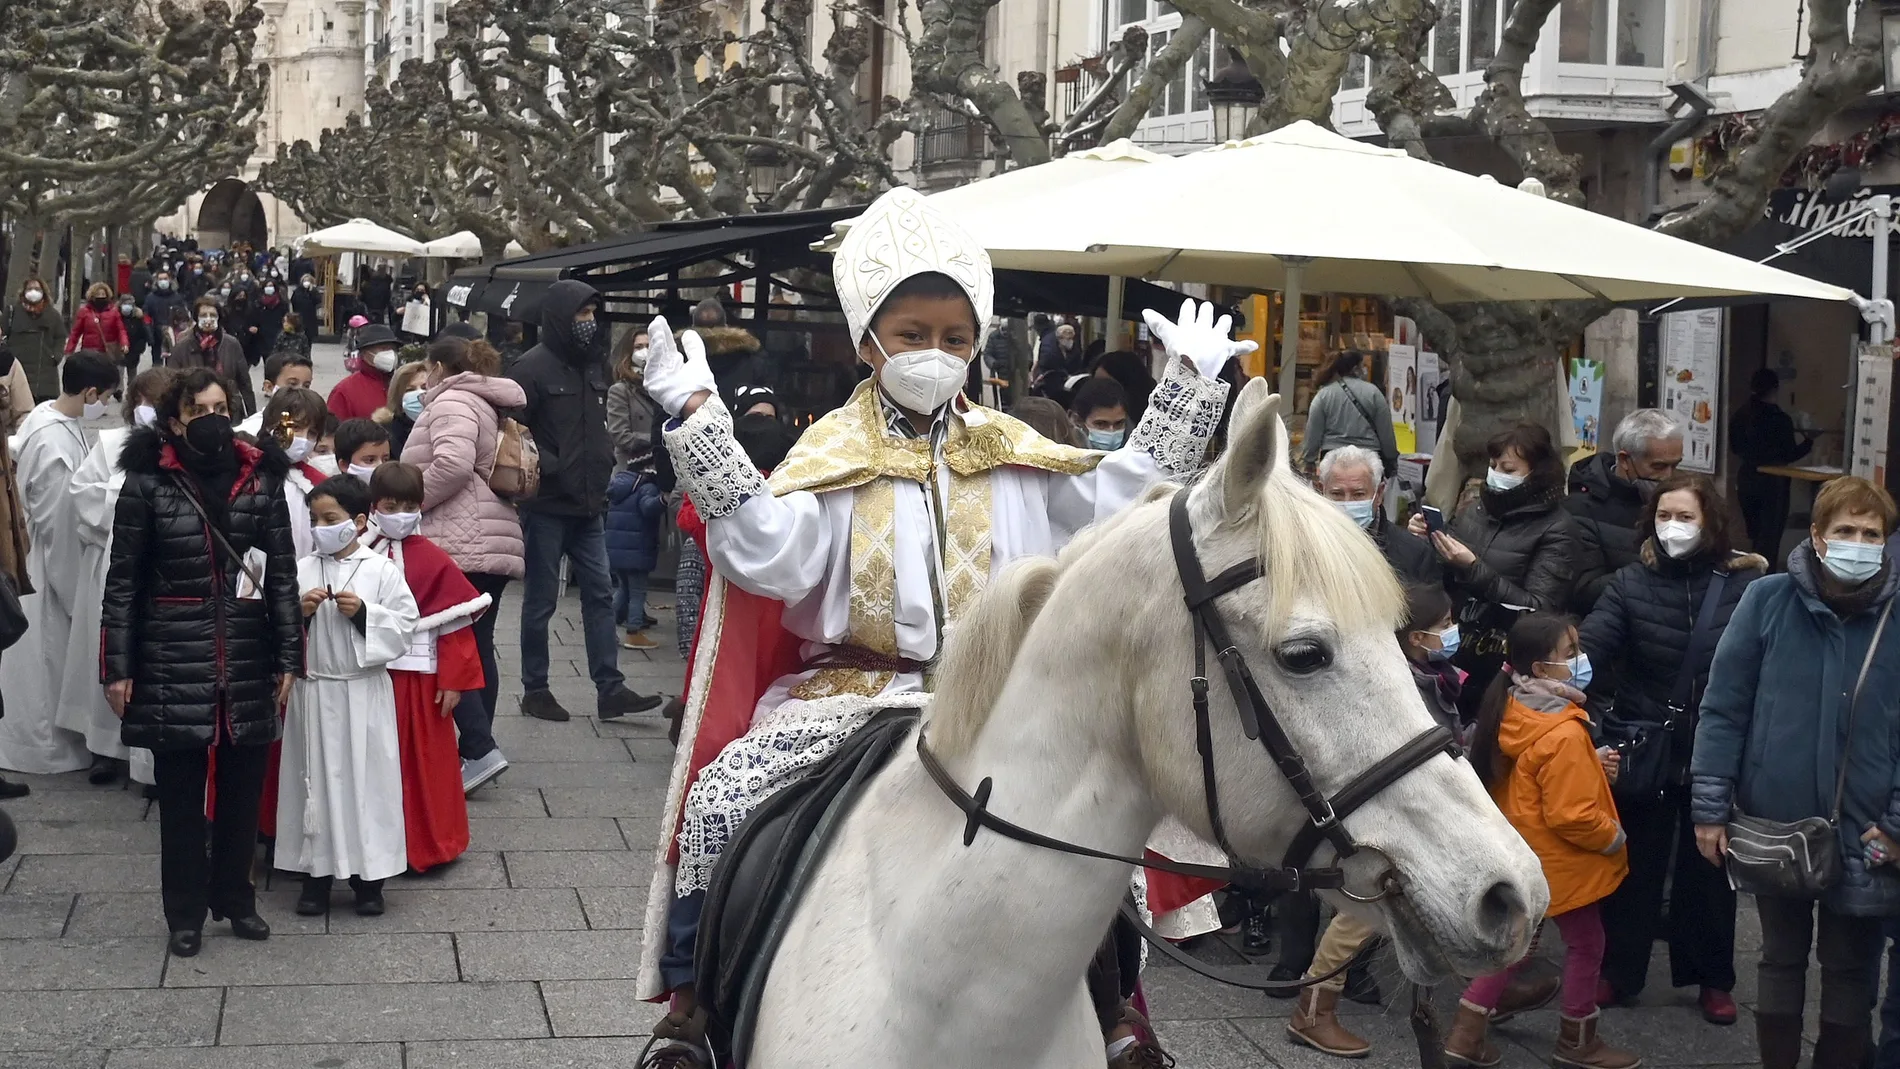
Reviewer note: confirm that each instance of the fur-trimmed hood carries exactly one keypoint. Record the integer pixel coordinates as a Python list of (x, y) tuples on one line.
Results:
[(727, 341), (146, 451), (1737, 561)]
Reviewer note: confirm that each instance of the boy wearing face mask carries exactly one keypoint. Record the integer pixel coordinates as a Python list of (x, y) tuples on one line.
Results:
[(339, 788), (283, 371), (292, 421), (210, 344), (365, 389), (361, 445), (1101, 411), (94, 497), (441, 664), (871, 537), (51, 445)]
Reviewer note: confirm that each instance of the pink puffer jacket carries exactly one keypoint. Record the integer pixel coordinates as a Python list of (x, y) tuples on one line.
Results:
[(453, 442)]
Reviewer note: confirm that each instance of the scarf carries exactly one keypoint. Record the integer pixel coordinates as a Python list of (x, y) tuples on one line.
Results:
[(1545, 688), (1502, 503), (208, 343)]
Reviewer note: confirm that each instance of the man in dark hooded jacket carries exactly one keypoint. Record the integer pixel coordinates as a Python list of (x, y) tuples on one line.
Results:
[(566, 377)]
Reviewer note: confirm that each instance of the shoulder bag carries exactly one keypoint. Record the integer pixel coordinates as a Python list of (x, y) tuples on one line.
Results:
[(1389, 459), (1800, 858), (244, 565), (1648, 746)]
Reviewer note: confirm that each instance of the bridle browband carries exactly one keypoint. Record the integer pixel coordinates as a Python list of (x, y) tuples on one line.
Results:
[(1259, 722)]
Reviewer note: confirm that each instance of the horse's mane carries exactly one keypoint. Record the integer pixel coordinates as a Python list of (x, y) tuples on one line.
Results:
[(1315, 554)]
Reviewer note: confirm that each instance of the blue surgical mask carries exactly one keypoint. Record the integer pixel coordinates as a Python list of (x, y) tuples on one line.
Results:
[(1107, 439), (1449, 644), (1360, 512), (1501, 481), (1854, 563), (1580, 671), (412, 404)]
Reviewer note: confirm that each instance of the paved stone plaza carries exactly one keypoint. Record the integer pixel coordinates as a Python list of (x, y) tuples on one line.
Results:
[(522, 953)]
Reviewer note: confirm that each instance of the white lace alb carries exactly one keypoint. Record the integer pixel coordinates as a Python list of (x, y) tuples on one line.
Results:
[(711, 466), (1183, 413)]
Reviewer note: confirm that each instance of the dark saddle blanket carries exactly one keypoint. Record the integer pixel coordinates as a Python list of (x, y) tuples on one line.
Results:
[(762, 874)]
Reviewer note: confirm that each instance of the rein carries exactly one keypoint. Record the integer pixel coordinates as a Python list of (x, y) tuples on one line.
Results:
[(1260, 724)]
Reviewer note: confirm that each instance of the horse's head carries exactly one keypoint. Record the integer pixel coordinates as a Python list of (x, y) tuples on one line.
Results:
[(1316, 632)]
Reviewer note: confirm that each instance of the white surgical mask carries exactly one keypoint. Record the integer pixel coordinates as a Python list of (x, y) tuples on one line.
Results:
[(34, 296), (145, 415), (363, 471), (331, 538), (383, 360), (207, 323), (1360, 512), (1677, 538), (324, 462), (299, 448), (1854, 563), (398, 525), (1502, 481), (94, 410), (921, 380)]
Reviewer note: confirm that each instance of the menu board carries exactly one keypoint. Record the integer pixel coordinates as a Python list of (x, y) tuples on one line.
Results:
[(1873, 394), (1692, 381)]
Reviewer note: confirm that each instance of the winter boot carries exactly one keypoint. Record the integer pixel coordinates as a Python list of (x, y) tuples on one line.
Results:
[(1469, 1043), (1579, 1047), (1531, 988), (1778, 1038), (1841, 1046), (1315, 1024)]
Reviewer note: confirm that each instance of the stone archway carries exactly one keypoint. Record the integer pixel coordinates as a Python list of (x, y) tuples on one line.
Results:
[(231, 212)]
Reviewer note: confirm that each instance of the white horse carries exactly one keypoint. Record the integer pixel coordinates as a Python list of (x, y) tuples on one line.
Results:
[(1068, 686)]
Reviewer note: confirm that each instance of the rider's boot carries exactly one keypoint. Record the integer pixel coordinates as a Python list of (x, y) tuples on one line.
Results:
[(682, 1037)]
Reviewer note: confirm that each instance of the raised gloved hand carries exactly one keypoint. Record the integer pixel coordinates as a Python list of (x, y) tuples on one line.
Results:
[(1197, 337), (677, 371)]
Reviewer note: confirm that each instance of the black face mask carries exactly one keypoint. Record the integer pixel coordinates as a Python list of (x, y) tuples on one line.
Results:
[(101, 303), (209, 435), (587, 334)]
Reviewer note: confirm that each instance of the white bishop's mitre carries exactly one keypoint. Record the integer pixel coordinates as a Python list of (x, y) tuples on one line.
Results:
[(899, 236)]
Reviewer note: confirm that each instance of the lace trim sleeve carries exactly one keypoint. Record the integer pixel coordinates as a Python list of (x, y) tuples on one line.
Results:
[(711, 467), (1182, 415)]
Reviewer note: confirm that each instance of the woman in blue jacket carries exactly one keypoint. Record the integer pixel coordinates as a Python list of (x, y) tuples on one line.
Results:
[(1772, 736)]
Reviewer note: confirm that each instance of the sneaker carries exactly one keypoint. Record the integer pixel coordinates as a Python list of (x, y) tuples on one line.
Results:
[(10, 789), (480, 770), (541, 705), (638, 640), (622, 700), (1718, 1007)]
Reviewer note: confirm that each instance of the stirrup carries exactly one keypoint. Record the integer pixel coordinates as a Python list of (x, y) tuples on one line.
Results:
[(677, 1054)]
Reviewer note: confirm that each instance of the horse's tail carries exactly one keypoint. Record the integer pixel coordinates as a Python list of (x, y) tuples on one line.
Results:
[(977, 658)]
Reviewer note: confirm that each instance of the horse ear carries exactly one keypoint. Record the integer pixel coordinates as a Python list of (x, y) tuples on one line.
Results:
[(1256, 444)]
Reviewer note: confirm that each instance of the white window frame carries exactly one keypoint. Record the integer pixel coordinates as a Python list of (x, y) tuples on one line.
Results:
[(1182, 131)]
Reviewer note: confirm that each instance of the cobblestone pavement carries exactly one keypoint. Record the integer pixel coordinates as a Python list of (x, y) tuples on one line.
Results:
[(523, 952)]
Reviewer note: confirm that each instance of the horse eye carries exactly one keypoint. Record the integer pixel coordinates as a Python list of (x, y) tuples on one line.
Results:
[(1303, 657)]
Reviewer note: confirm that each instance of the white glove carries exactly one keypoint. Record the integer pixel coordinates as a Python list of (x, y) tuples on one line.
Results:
[(1198, 339), (673, 376)]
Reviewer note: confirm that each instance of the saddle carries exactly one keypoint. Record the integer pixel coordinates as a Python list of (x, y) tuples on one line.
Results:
[(762, 873)]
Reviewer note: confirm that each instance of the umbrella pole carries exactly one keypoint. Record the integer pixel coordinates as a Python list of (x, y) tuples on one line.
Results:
[(1290, 323), (1114, 312)]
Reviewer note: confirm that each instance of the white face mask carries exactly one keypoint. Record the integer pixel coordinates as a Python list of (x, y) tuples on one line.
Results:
[(1854, 563), (299, 448), (398, 525), (640, 357), (1677, 538), (324, 462), (383, 360), (94, 410), (145, 415), (207, 323), (363, 471), (1502, 481), (331, 539), (34, 296), (921, 380)]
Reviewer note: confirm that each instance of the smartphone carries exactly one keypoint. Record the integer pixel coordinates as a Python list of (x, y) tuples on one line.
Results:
[(1434, 519)]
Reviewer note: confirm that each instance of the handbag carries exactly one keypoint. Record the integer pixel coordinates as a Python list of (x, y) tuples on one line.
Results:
[(1389, 459), (1799, 858), (256, 577), (1648, 747)]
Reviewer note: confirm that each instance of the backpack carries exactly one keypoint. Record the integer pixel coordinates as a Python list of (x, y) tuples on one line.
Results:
[(517, 472)]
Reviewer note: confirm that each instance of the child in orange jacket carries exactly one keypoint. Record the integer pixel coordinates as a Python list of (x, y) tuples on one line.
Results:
[(1532, 748)]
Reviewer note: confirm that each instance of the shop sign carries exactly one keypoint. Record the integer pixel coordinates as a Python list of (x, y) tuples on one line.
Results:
[(1873, 393), (1808, 210), (1691, 344)]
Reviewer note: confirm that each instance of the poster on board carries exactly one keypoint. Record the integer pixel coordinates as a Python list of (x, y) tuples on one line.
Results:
[(1692, 381), (1873, 393), (1401, 394), (1429, 416), (1586, 401)]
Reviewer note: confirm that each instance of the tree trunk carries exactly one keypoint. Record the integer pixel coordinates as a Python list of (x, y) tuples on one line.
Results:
[(20, 258)]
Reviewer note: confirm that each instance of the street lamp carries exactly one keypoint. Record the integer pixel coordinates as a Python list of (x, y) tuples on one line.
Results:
[(763, 168), (1235, 95)]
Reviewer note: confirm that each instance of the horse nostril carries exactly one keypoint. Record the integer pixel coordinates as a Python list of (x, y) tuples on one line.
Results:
[(1502, 915)]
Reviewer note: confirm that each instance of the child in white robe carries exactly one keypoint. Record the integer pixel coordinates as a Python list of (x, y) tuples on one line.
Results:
[(339, 789)]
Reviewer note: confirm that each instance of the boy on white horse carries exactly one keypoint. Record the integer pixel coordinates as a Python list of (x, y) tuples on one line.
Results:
[(837, 579)]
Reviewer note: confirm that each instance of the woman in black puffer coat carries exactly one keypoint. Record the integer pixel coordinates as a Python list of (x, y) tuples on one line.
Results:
[(194, 658), (1640, 628), (1513, 548)]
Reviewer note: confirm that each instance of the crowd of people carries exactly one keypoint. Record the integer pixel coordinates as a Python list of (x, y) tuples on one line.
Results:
[(277, 610)]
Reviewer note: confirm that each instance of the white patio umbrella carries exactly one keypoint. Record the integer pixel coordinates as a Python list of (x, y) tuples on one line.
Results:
[(360, 235), (461, 245), (1304, 208)]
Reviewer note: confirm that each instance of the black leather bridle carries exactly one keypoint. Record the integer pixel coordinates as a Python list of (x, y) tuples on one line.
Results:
[(1260, 723)]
